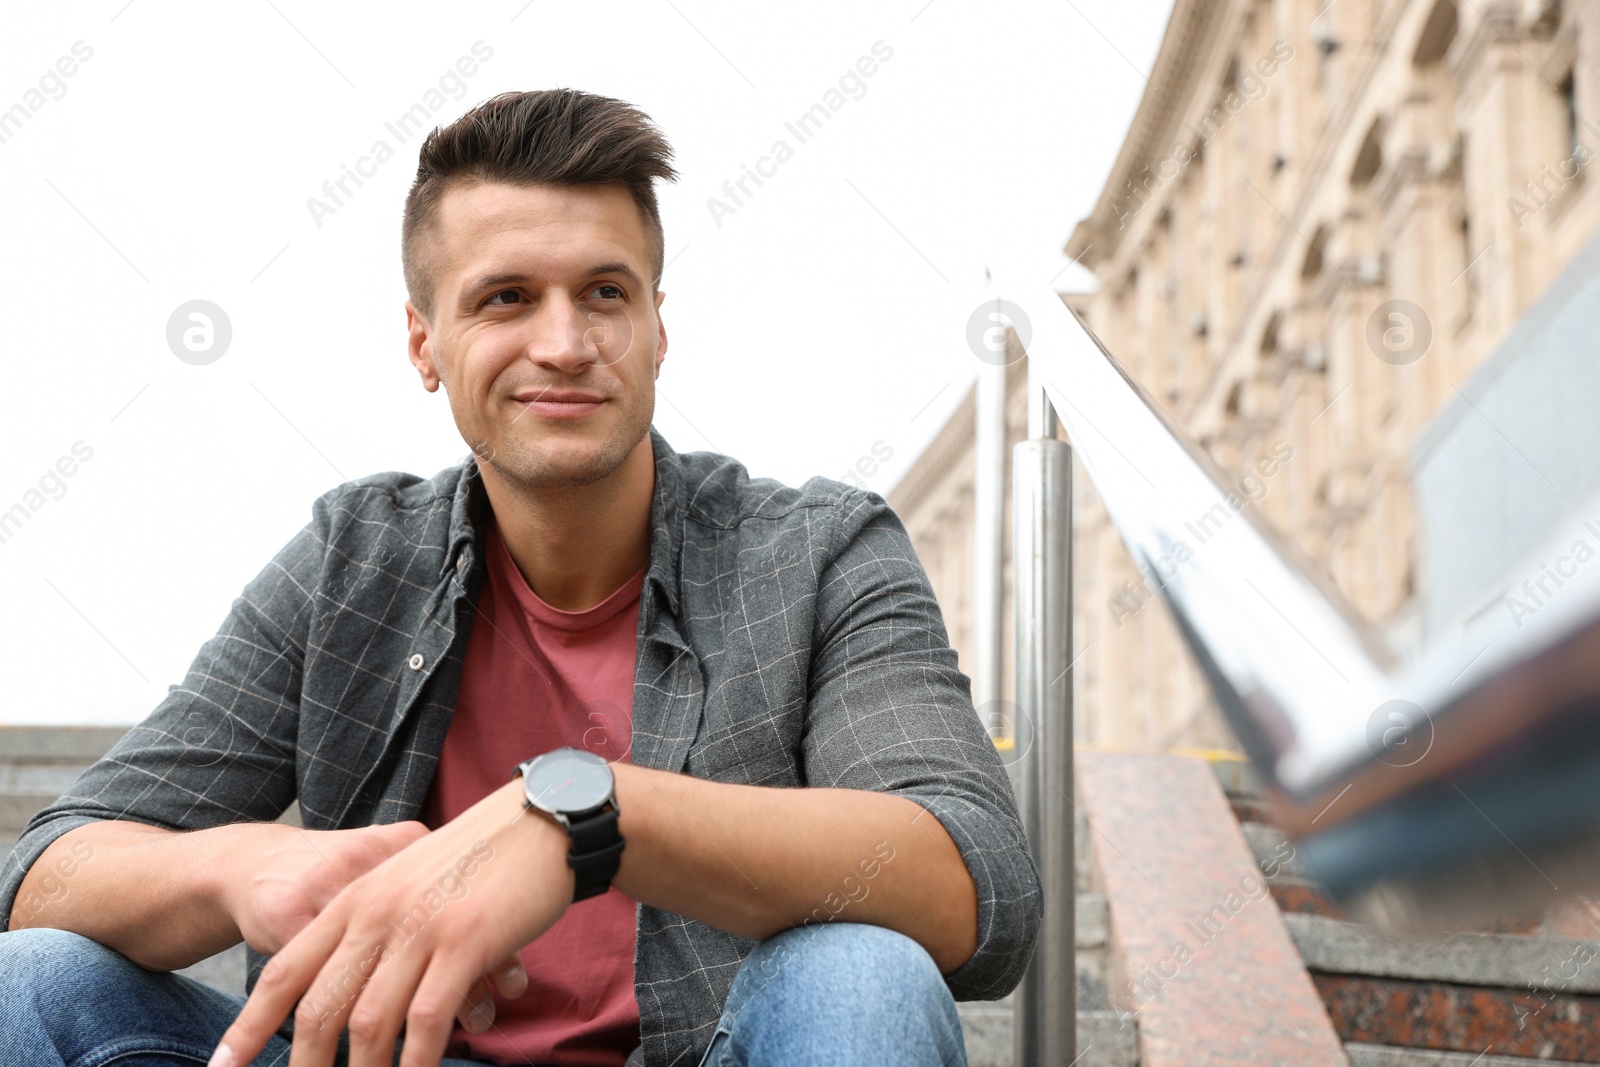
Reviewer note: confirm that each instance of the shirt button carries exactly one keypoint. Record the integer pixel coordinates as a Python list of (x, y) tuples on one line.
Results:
[(417, 661)]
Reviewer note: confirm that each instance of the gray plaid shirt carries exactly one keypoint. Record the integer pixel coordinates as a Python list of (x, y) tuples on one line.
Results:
[(787, 637)]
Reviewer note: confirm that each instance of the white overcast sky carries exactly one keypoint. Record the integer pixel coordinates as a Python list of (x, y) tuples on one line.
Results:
[(822, 319)]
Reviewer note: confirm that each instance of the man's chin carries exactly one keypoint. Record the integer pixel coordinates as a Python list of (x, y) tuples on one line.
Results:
[(559, 467)]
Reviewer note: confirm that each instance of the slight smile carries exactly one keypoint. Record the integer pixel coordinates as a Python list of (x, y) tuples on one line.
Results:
[(556, 404)]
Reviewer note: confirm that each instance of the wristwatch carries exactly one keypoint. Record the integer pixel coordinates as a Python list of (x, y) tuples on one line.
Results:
[(578, 788)]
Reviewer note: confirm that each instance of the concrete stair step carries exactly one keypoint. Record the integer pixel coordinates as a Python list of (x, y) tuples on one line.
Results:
[(1273, 850), (26, 787), (39, 763), (1092, 919), (67, 744), (52, 779), (1238, 779), (989, 1025), (224, 971), (1104, 1040), (1506, 961), (1517, 985), (1389, 1056), (17, 808)]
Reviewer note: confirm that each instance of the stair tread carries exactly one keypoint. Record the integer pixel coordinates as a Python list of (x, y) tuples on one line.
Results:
[(51, 778), (1105, 1039), (45, 743), (1393, 1056), (1514, 961)]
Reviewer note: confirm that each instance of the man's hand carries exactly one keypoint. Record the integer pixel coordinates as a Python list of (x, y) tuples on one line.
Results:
[(290, 875), (286, 875), (409, 941)]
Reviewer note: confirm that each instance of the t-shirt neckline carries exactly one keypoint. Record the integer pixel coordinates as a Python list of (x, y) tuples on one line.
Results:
[(588, 618)]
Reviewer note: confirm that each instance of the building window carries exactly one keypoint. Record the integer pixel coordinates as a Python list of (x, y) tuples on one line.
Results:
[(1469, 278), (1438, 34), (1569, 104)]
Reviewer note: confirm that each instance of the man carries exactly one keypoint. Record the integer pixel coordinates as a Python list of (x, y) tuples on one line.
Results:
[(682, 647)]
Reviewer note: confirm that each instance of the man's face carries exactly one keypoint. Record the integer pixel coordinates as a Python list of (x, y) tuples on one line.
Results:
[(544, 334)]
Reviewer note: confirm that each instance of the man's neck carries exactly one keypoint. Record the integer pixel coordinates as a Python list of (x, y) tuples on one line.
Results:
[(577, 545)]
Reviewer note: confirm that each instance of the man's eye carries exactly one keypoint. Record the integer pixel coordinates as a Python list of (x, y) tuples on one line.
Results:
[(504, 292), (609, 292)]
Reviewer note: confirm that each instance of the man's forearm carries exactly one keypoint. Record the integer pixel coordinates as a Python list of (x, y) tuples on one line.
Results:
[(150, 894), (756, 860)]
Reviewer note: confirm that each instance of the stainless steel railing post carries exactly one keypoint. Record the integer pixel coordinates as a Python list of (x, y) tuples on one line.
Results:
[(988, 582), (1045, 1002)]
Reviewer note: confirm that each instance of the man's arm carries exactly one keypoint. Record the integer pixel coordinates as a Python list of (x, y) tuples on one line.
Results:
[(754, 860), (890, 715), (166, 899), (141, 890)]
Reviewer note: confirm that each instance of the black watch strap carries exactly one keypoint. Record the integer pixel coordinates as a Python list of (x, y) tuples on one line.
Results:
[(596, 852)]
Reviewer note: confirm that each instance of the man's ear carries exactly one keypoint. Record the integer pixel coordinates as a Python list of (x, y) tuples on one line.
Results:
[(661, 333), (419, 346)]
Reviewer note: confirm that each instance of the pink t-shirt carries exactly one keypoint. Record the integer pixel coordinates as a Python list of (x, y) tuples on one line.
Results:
[(537, 678)]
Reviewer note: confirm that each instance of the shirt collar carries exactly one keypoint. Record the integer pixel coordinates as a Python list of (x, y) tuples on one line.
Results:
[(470, 503)]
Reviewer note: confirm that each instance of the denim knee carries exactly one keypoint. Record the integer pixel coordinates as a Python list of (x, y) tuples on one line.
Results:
[(838, 992), (65, 998), (859, 955), (42, 957), (840, 968), (47, 976)]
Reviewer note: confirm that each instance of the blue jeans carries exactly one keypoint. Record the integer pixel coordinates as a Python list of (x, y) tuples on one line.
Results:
[(837, 993), (67, 1001)]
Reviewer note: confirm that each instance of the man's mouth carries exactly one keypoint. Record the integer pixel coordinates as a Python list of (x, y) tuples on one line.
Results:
[(559, 403)]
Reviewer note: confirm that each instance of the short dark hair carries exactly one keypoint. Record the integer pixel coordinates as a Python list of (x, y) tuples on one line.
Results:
[(546, 137)]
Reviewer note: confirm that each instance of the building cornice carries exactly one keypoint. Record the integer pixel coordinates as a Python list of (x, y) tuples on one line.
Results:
[(1182, 62)]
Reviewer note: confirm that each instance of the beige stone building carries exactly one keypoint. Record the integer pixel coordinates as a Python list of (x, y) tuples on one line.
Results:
[(1324, 217)]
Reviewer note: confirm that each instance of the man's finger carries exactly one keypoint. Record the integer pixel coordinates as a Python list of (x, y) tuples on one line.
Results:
[(378, 1008), (509, 977), (432, 1011), (284, 978), (476, 1013)]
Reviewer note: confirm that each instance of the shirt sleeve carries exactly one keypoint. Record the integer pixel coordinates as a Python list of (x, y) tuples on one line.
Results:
[(890, 711), (220, 747)]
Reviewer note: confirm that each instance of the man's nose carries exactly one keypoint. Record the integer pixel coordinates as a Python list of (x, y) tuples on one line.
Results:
[(562, 335)]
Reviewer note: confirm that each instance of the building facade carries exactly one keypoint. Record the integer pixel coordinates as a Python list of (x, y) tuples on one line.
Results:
[(1324, 217)]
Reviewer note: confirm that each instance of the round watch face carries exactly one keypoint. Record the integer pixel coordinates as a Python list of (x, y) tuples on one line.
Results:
[(568, 780)]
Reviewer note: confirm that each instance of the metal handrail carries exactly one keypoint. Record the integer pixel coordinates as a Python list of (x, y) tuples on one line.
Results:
[(1508, 735), (1045, 1009)]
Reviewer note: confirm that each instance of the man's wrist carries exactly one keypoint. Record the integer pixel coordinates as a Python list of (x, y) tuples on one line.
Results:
[(550, 838), (225, 881)]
